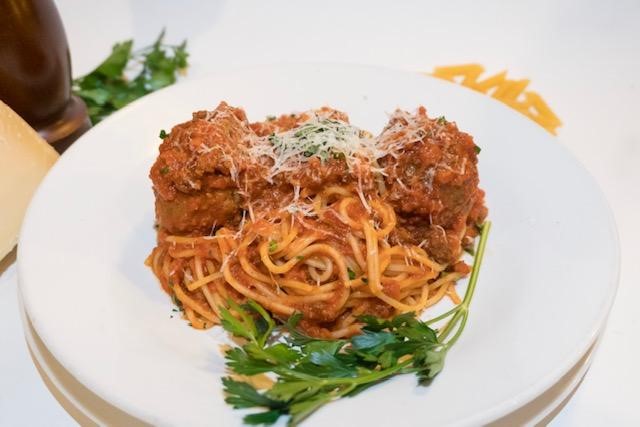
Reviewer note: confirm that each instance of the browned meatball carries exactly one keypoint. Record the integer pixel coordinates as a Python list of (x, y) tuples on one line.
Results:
[(431, 181), (195, 177), (206, 175)]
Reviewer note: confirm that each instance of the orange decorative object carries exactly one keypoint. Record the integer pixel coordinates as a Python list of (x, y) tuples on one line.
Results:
[(510, 92)]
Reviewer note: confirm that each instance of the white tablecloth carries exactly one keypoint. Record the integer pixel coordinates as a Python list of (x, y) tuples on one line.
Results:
[(583, 57)]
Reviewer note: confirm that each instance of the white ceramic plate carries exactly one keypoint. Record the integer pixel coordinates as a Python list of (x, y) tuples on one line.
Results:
[(545, 288)]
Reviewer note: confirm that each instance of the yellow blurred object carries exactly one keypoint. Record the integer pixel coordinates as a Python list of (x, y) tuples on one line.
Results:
[(25, 159), (510, 92)]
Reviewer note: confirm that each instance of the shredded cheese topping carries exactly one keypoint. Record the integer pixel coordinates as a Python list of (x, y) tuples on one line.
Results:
[(320, 137)]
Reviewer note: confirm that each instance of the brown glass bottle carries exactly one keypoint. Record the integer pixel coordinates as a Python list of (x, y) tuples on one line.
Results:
[(35, 71)]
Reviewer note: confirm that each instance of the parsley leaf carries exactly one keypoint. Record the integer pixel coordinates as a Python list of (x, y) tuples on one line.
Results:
[(109, 87)]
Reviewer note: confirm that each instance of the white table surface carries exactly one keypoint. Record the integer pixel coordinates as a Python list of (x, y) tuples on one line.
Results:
[(583, 57)]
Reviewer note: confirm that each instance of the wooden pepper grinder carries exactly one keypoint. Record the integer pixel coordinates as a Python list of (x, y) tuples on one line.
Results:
[(35, 71)]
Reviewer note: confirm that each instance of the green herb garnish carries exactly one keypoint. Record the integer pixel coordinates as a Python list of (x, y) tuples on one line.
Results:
[(164, 170), (273, 246), (442, 120), (351, 273), (107, 88), (311, 372), (163, 134), (176, 301), (478, 149)]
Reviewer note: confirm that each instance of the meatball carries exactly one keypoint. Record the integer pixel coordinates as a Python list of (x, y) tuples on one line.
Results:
[(206, 175), (432, 182), (195, 177)]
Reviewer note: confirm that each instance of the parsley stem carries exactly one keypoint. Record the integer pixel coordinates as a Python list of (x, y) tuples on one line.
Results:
[(443, 315), (463, 322), (461, 311), (475, 271), (364, 379)]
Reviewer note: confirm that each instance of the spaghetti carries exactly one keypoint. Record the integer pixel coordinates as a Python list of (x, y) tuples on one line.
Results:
[(332, 251)]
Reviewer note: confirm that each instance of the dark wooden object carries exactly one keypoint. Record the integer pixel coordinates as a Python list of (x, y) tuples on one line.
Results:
[(35, 71)]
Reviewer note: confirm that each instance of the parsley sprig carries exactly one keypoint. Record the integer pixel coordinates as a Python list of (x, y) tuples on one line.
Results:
[(311, 372), (107, 88)]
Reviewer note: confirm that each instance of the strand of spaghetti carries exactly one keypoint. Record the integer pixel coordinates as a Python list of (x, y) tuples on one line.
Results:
[(409, 300), (315, 263), (357, 253), (363, 294), (422, 302), (442, 291), (387, 279), (251, 271), (330, 252), (373, 266), (265, 248), (344, 320), (318, 205), (415, 253), (205, 280), (244, 290), (451, 277), (220, 299), (420, 255), (166, 267), (187, 240), (153, 260), (193, 319), (402, 268), (414, 281), (343, 205), (211, 268), (327, 266), (223, 245), (183, 253), (352, 264), (453, 294), (212, 303), (335, 189), (161, 269), (284, 243), (197, 262), (388, 217), (373, 269), (346, 332), (295, 285), (187, 301), (294, 248), (296, 299), (315, 248)]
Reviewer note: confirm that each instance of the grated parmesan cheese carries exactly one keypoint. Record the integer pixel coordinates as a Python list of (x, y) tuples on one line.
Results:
[(317, 137)]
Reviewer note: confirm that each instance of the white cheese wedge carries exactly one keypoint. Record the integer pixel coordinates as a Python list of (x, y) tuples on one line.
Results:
[(25, 159)]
